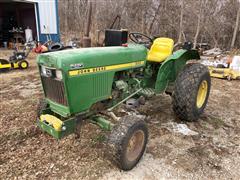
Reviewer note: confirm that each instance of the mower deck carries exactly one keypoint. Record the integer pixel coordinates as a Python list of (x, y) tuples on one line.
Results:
[(224, 73)]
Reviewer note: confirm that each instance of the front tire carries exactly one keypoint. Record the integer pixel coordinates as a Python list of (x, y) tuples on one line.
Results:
[(191, 92), (127, 142)]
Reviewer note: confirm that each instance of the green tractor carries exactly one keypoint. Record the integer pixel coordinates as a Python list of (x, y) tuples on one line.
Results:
[(87, 84)]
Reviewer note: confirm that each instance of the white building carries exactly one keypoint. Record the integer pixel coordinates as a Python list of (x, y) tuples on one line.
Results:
[(39, 15)]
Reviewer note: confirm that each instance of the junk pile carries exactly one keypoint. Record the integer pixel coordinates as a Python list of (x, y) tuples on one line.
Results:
[(214, 51), (221, 65), (51, 46)]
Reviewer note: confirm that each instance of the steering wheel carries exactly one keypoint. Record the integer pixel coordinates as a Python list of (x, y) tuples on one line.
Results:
[(140, 38)]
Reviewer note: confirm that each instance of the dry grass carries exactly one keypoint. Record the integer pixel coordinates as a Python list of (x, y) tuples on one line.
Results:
[(26, 152)]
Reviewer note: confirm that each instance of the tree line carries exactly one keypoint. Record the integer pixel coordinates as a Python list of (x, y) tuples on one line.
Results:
[(216, 22)]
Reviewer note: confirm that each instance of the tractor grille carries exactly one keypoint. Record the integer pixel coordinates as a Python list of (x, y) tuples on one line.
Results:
[(54, 90)]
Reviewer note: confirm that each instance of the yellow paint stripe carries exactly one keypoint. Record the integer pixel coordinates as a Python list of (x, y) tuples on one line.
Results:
[(5, 66), (105, 68)]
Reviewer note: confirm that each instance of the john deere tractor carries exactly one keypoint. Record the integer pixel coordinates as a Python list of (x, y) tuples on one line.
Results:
[(87, 84)]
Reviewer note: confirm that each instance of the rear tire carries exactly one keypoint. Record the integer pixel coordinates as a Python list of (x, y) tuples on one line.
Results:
[(191, 92), (23, 64), (55, 47), (127, 142)]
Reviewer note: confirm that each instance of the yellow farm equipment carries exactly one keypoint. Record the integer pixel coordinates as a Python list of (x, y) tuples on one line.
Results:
[(224, 73)]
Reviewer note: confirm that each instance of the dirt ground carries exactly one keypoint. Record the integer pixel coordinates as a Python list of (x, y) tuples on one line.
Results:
[(211, 152)]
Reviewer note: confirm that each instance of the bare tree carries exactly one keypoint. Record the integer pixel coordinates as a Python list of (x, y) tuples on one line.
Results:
[(236, 28), (199, 20), (181, 23), (211, 21), (154, 18)]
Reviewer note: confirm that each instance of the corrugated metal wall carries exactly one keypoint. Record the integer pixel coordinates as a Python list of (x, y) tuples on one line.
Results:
[(47, 16), (47, 19)]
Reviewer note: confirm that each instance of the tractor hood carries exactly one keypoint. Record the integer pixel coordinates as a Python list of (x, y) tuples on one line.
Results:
[(93, 57)]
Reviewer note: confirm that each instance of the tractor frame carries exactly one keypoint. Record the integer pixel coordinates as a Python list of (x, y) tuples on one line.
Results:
[(89, 83)]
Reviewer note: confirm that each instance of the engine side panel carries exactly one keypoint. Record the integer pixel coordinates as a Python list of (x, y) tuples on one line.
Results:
[(88, 72), (92, 85)]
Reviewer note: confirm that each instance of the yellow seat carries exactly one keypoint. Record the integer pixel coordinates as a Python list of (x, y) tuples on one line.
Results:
[(160, 50)]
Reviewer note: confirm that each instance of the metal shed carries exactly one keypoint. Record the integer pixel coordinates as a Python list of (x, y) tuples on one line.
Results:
[(39, 15)]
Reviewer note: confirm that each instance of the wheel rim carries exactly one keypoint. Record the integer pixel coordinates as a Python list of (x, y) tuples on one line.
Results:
[(135, 145), (23, 64), (202, 93)]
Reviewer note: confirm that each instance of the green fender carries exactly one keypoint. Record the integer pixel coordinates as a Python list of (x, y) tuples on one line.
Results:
[(172, 66)]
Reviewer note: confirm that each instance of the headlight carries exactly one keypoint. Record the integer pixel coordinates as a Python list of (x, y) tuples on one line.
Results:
[(43, 70), (59, 74), (46, 71)]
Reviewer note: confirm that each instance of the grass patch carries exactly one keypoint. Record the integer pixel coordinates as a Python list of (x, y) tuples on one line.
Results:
[(216, 122), (98, 139)]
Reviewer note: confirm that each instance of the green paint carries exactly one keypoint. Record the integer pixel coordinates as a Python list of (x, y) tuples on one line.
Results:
[(58, 108), (103, 123), (84, 90), (69, 128), (93, 57), (172, 66)]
